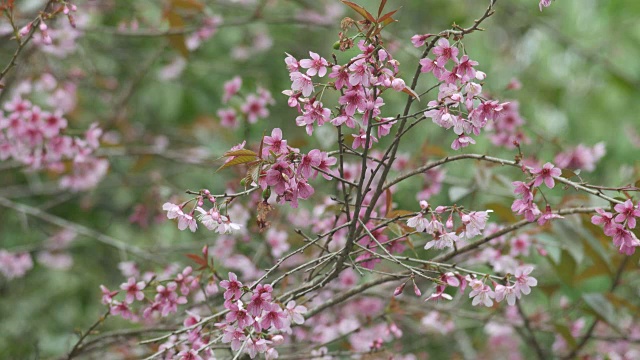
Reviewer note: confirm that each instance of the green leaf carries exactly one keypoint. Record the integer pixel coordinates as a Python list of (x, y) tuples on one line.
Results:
[(566, 267), (237, 161), (564, 331), (601, 307), (503, 212), (458, 192), (241, 152)]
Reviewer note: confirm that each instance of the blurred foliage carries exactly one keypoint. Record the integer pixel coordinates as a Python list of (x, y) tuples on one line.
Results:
[(577, 62)]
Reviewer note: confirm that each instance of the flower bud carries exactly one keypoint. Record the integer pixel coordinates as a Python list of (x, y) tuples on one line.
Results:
[(25, 30), (398, 290), (277, 339)]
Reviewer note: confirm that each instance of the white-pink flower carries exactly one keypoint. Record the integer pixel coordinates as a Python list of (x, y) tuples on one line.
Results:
[(316, 65)]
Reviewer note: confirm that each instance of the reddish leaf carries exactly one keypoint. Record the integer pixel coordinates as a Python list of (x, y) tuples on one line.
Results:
[(387, 16), (387, 22), (382, 4), (360, 10), (197, 259)]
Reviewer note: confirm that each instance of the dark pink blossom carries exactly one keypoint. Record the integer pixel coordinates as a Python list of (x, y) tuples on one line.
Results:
[(273, 316), (233, 287), (274, 143), (133, 290), (445, 52), (627, 212), (236, 313)]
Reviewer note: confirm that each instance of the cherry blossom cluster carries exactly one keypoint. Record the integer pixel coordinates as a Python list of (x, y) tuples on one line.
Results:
[(65, 7), (361, 81), (14, 265), (257, 325), (581, 157), (351, 320), (444, 233), (289, 170), (212, 218), (457, 90), (515, 286), (209, 27), (620, 226), (134, 304), (507, 127), (525, 205), (252, 106), (35, 138)]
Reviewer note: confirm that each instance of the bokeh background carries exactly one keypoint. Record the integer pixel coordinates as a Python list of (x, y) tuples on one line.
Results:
[(575, 63)]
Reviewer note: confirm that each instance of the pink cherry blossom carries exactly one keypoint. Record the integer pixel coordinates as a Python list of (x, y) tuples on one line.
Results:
[(316, 65), (546, 175), (233, 287), (274, 143), (524, 282), (481, 293), (548, 215), (301, 82), (627, 212), (231, 88), (133, 290), (254, 108), (506, 292), (444, 52), (419, 40), (360, 140)]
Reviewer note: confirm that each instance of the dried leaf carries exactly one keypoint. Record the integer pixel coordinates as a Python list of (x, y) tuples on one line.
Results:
[(177, 41), (188, 4), (408, 90), (397, 213)]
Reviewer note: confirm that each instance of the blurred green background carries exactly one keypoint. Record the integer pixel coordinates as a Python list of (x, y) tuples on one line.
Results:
[(576, 61)]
